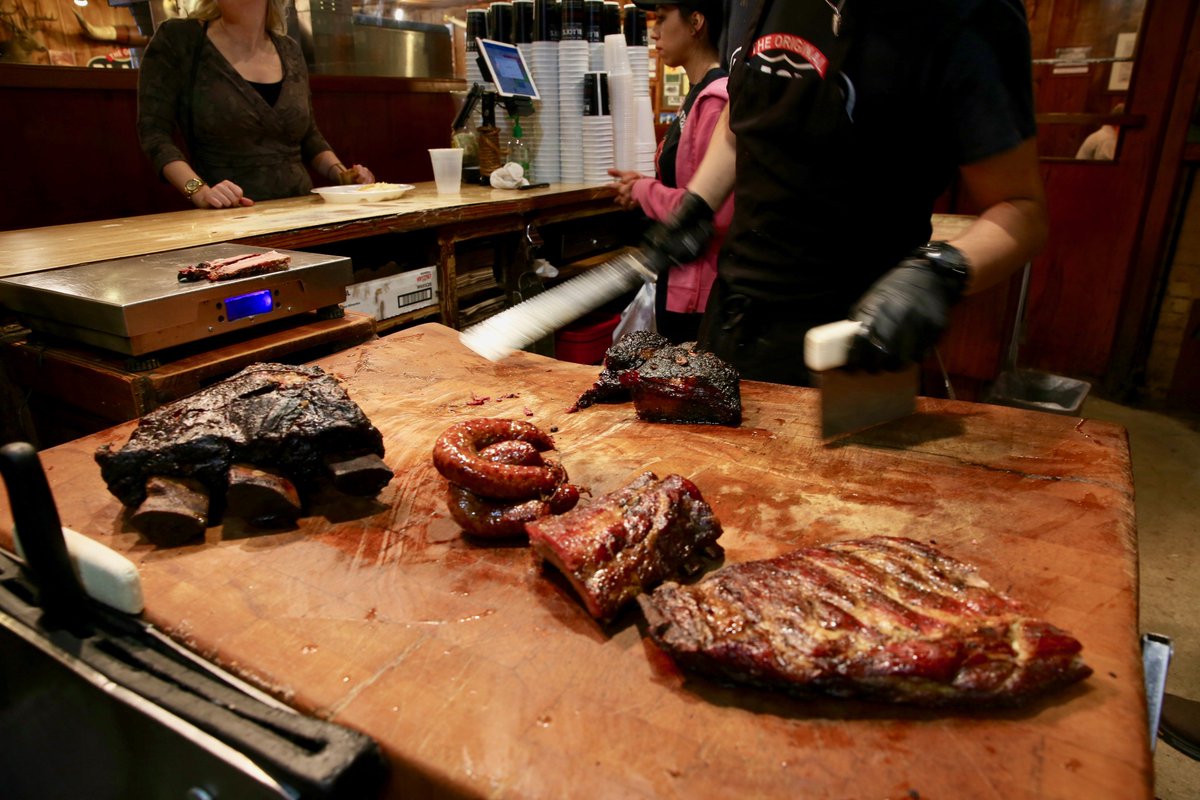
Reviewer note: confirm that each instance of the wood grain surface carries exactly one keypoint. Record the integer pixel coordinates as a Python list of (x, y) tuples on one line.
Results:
[(483, 676), (38, 249)]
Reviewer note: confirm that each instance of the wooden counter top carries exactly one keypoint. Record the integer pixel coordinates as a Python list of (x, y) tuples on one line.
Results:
[(310, 219), (482, 677), (38, 249)]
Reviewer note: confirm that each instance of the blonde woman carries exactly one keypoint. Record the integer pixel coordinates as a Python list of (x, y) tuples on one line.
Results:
[(236, 86)]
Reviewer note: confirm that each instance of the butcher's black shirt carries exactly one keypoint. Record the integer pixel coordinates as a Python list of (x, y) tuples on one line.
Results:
[(845, 142)]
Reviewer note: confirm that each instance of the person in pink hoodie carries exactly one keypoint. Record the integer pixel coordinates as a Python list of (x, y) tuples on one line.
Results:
[(685, 35)]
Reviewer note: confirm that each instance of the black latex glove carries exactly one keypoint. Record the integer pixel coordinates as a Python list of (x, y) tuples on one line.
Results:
[(680, 239), (907, 309)]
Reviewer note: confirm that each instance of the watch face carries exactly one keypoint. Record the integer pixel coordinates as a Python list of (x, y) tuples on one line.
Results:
[(193, 186)]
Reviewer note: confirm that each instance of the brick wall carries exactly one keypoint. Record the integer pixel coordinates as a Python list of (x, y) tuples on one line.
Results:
[(1183, 288)]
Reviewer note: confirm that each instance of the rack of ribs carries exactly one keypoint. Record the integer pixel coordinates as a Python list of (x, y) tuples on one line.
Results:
[(251, 443), (882, 618), (628, 541)]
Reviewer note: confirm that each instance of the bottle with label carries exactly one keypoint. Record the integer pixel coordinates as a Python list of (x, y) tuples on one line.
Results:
[(488, 139), (518, 149)]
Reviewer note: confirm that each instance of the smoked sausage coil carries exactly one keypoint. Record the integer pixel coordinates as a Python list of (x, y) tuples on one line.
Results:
[(456, 455)]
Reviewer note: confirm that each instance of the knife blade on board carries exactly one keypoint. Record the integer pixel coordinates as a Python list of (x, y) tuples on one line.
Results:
[(526, 322), (853, 401)]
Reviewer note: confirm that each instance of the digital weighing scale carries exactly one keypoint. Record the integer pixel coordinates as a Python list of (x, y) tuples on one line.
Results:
[(138, 305)]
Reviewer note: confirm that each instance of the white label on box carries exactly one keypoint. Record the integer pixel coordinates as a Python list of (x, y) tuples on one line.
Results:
[(384, 298)]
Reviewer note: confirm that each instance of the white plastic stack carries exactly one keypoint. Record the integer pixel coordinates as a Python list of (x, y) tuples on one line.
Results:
[(644, 144), (597, 130), (572, 63), (595, 56), (543, 64), (621, 103)]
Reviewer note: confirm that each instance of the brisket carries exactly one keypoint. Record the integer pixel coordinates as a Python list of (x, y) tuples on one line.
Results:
[(288, 419), (681, 384), (628, 541), (243, 266), (667, 383), (882, 618)]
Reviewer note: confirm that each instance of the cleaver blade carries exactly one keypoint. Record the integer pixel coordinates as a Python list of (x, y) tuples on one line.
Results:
[(854, 401), (518, 326)]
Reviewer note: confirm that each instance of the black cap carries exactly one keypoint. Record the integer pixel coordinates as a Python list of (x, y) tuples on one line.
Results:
[(713, 11), (705, 7)]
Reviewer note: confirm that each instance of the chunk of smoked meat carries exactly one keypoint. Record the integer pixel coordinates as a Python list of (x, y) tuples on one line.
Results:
[(628, 541), (883, 618), (285, 418), (626, 353), (681, 384)]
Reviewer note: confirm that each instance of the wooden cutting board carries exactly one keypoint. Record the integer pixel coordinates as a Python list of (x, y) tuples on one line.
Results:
[(482, 676)]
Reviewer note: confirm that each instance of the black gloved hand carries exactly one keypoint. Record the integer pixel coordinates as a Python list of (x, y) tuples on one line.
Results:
[(680, 239), (906, 310)]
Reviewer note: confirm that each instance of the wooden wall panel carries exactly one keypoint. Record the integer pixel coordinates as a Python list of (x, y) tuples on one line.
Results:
[(76, 129)]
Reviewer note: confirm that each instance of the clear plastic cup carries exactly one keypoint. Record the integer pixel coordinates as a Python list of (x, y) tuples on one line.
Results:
[(447, 169)]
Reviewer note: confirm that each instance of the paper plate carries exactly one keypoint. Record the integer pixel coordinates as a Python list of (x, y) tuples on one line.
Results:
[(365, 193)]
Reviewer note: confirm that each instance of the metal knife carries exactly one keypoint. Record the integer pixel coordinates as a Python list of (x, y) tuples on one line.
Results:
[(853, 401), (526, 322)]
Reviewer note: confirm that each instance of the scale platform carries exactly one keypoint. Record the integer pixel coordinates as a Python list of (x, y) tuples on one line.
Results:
[(138, 305)]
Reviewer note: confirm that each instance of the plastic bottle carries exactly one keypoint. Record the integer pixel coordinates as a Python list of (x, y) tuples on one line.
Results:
[(518, 149)]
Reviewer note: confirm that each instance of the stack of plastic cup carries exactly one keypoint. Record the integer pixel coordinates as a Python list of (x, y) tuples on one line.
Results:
[(543, 64), (597, 129), (621, 101), (593, 17), (573, 60), (531, 126), (610, 20)]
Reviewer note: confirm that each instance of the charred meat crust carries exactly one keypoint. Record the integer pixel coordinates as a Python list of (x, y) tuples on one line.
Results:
[(284, 417), (883, 618), (667, 383), (628, 541), (680, 384), (630, 351)]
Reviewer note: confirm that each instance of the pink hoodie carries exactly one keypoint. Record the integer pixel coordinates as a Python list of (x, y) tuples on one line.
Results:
[(688, 287)]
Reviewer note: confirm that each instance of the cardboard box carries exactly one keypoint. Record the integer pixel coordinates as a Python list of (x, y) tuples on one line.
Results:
[(384, 298)]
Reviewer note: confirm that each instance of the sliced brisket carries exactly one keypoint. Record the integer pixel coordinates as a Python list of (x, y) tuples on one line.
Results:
[(244, 266)]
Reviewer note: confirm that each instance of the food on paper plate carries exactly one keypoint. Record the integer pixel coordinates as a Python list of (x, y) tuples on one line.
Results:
[(667, 383), (252, 443), (373, 187), (628, 541), (498, 478), (244, 266), (883, 618)]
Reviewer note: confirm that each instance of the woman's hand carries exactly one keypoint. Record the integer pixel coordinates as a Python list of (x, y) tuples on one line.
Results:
[(625, 181), (225, 194), (361, 174)]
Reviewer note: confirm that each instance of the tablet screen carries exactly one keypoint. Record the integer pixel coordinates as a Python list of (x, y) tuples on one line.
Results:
[(508, 70)]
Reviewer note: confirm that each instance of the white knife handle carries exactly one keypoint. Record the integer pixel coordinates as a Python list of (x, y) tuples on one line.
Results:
[(828, 346), (104, 574)]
